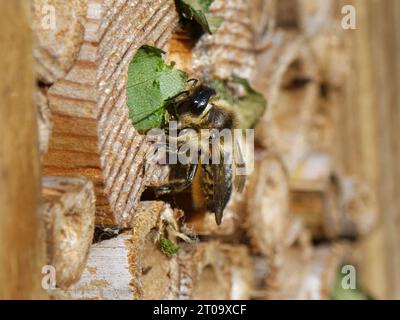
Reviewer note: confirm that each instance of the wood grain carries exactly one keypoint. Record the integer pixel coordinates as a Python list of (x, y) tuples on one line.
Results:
[(22, 242), (303, 276), (370, 147), (267, 219), (315, 195), (58, 33), (212, 270), (131, 265), (92, 133), (230, 51)]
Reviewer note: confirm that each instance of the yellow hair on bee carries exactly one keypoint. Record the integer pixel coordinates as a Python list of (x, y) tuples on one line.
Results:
[(199, 201), (226, 107)]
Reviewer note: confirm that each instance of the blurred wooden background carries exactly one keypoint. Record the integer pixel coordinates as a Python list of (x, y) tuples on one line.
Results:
[(22, 248), (370, 130)]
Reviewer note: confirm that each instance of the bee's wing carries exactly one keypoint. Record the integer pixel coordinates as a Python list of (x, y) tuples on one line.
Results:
[(222, 188), (239, 180)]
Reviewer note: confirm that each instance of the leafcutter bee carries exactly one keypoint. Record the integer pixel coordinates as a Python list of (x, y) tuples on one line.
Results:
[(211, 181)]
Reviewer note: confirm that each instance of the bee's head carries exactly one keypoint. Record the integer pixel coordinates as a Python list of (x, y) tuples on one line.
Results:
[(196, 103)]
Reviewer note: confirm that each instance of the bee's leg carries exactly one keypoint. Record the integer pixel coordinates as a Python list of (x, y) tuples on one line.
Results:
[(181, 177), (185, 136)]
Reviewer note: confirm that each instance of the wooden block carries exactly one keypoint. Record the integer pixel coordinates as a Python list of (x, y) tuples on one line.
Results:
[(332, 205), (22, 244), (58, 29), (300, 276), (268, 270), (230, 50), (315, 195), (268, 218), (316, 16), (68, 212), (287, 76), (211, 270), (359, 207), (92, 133), (131, 265), (287, 14)]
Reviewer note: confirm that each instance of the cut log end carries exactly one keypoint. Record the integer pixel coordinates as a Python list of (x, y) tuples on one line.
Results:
[(359, 208), (306, 277), (212, 270), (68, 211), (132, 265), (268, 217), (92, 133), (230, 50), (58, 33), (290, 84), (315, 195)]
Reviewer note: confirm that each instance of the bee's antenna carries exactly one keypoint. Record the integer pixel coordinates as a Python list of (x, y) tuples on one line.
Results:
[(186, 92), (178, 95)]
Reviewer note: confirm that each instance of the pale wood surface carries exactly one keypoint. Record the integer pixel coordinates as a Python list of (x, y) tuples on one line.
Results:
[(45, 123), (212, 270), (68, 211), (58, 27), (306, 275), (315, 195), (22, 242), (230, 51), (369, 134), (131, 265), (267, 219)]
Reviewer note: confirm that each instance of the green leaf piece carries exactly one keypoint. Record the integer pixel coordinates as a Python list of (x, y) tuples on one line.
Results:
[(151, 82), (340, 293), (197, 10), (214, 22), (168, 247), (248, 107)]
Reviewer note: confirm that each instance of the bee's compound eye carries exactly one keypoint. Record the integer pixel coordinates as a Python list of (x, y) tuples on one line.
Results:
[(197, 102), (201, 99)]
